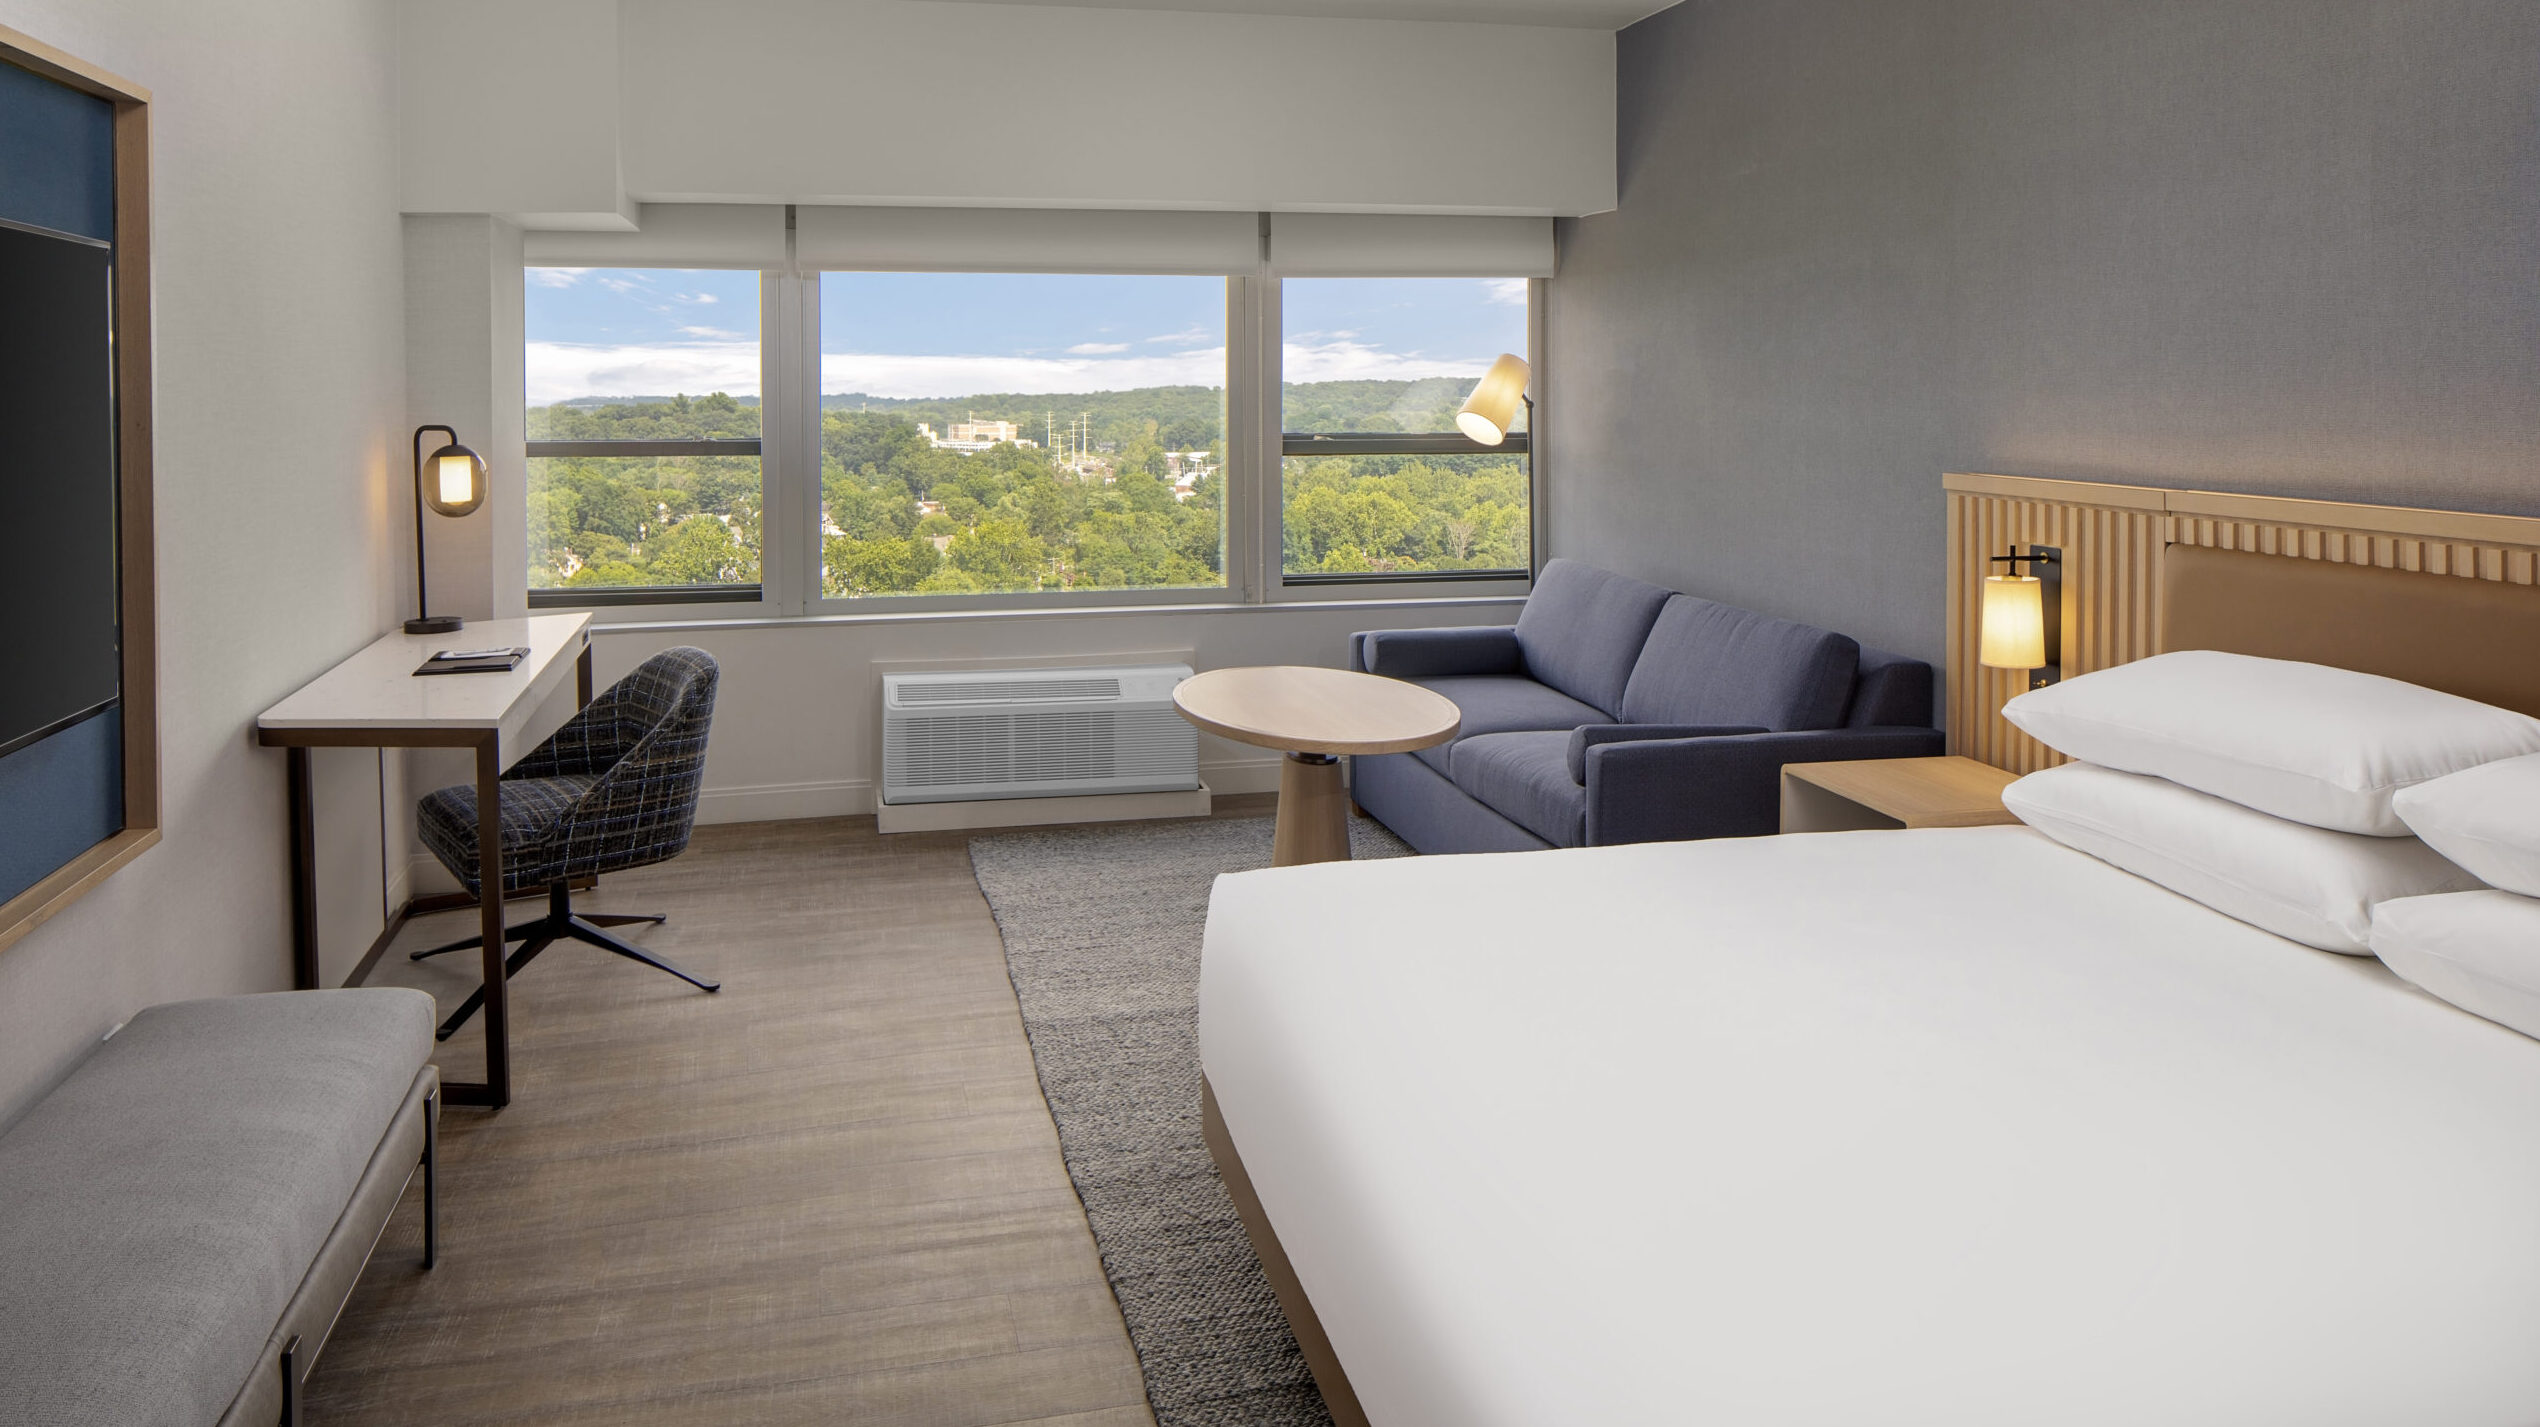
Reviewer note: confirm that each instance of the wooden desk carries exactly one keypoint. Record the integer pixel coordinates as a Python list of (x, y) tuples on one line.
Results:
[(375, 700), (1892, 793)]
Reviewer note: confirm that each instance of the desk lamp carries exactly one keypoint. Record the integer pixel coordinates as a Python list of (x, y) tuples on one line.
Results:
[(457, 487)]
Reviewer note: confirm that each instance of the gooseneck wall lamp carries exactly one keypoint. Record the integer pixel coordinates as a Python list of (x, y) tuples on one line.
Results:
[(1492, 409), (2020, 623), (457, 486)]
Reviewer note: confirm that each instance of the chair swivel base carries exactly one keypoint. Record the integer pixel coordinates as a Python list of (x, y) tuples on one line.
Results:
[(561, 923)]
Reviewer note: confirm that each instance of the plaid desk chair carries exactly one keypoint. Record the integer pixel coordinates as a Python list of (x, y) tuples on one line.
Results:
[(615, 788)]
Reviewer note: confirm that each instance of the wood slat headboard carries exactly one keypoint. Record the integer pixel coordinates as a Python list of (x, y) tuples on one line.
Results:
[(2442, 598)]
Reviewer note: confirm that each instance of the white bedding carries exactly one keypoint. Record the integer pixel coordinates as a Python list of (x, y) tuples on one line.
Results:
[(1955, 1126)]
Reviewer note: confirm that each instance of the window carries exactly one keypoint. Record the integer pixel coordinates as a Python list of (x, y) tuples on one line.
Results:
[(984, 439), (1376, 484), (1004, 433), (644, 425)]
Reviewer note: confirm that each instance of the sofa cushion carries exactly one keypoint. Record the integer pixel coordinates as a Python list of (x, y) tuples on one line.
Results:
[(165, 1202), (1890, 691), (1503, 703), (1525, 778), (1581, 629), (1706, 662)]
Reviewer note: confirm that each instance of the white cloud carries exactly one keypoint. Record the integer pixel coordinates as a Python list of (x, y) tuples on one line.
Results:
[(1337, 357), (886, 374), (556, 277), (715, 334), (624, 284), (1186, 336), (1097, 349), (1506, 291), (560, 371), (698, 297)]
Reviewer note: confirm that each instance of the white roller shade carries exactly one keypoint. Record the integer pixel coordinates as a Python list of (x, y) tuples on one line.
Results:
[(1026, 240), (1408, 245), (672, 235)]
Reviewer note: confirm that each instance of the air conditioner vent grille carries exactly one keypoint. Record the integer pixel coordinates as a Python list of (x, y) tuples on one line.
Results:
[(1027, 733), (985, 691)]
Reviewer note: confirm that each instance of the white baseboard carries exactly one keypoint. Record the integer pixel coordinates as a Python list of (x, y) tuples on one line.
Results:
[(853, 797), (1037, 812)]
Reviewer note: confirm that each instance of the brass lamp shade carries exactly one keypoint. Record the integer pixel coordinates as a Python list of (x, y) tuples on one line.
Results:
[(454, 480), (1492, 408), (2011, 627)]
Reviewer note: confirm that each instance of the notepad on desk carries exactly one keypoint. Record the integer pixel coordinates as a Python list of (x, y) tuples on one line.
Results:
[(474, 661)]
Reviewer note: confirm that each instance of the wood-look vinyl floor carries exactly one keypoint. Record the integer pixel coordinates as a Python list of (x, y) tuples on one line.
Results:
[(829, 1193)]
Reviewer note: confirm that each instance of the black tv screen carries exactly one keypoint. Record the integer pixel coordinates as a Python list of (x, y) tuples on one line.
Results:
[(59, 626)]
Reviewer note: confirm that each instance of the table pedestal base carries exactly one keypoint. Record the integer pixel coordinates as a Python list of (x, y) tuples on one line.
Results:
[(1313, 811)]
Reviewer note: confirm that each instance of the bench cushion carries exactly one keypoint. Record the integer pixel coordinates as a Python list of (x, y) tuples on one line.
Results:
[(163, 1204), (1502, 703)]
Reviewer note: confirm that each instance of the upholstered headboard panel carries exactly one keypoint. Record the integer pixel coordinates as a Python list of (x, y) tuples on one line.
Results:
[(2476, 638)]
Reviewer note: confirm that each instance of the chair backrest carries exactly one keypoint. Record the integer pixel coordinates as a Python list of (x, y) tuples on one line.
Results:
[(1582, 627), (644, 805), (1711, 663)]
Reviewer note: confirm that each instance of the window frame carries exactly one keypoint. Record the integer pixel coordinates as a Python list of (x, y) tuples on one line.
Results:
[(1270, 539), (1253, 553), (757, 596)]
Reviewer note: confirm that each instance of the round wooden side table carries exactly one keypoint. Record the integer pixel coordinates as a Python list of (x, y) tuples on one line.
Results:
[(1313, 716)]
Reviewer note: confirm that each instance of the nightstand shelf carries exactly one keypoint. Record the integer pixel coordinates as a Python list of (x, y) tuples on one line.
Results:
[(1893, 793)]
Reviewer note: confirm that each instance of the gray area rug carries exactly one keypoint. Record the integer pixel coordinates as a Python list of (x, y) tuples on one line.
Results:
[(1102, 933)]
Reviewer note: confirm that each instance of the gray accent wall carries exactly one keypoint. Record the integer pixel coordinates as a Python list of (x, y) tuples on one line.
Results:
[(2290, 248)]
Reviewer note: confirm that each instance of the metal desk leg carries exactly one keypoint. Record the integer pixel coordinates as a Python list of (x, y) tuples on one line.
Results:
[(303, 819), (489, 867)]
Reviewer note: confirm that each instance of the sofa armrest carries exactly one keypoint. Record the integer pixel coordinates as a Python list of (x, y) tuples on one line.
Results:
[(1432, 653), (1587, 736), (1666, 790)]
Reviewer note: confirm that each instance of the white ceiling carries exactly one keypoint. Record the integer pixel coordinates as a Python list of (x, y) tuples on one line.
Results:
[(1573, 14)]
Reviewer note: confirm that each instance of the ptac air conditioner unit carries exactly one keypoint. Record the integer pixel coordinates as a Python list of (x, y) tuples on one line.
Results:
[(1035, 733)]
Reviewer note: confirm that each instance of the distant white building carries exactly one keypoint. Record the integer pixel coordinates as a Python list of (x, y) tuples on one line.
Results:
[(973, 436)]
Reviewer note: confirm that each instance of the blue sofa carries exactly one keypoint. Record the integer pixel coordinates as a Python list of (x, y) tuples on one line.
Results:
[(1616, 711)]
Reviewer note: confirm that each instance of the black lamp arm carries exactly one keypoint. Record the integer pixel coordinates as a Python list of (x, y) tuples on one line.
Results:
[(2015, 558), (423, 605)]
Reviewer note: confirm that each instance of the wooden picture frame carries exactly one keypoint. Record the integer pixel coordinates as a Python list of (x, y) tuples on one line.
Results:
[(138, 587)]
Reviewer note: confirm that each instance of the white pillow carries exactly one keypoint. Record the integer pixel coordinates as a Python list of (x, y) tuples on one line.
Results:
[(2303, 741), (2485, 818), (2312, 885), (2478, 950)]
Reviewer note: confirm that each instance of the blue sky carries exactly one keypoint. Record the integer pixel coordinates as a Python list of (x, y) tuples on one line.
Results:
[(619, 332)]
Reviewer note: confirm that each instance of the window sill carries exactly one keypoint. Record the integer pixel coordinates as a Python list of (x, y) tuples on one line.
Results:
[(964, 616)]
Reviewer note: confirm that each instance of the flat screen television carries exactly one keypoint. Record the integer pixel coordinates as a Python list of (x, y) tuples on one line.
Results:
[(60, 658)]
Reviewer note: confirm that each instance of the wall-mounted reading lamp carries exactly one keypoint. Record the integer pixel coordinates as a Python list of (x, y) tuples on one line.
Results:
[(457, 487), (2020, 624)]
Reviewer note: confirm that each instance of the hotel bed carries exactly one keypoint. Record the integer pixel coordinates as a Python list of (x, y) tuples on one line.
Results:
[(1953, 1126)]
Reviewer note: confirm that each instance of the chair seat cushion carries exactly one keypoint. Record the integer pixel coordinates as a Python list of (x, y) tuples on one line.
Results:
[(1525, 778), (1503, 703), (166, 1201), (531, 809)]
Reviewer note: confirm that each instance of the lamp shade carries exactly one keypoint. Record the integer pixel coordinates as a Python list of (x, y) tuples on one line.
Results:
[(2011, 633), (454, 480), (1492, 408)]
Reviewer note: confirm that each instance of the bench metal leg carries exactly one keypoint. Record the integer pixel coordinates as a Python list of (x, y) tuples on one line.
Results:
[(291, 1382), (431, 1179)]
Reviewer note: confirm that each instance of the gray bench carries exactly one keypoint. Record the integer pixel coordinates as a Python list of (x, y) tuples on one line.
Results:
[(183, 1217)]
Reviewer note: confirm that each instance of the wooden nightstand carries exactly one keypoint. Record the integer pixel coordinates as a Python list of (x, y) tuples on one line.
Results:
[(1893, 792)]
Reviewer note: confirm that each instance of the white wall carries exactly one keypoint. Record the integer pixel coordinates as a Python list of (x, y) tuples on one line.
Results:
[(280, 403), (903, 101)]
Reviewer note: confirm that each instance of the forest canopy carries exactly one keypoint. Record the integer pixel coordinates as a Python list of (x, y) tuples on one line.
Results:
[(1098, 490)]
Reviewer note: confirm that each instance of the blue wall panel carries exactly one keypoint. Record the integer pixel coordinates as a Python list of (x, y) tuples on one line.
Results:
[(59, 797), (57, 156)]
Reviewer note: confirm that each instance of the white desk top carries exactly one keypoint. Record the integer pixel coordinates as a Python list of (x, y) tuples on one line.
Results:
[(379, 689)]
